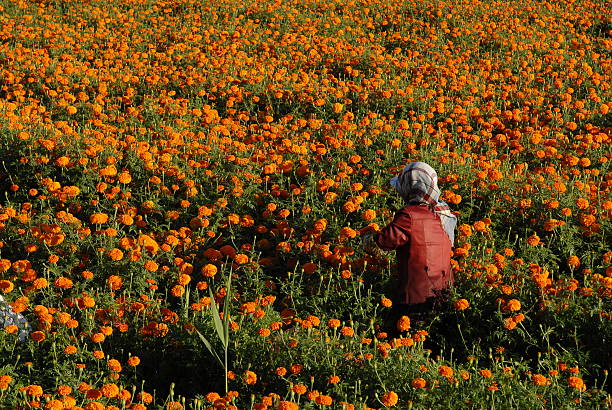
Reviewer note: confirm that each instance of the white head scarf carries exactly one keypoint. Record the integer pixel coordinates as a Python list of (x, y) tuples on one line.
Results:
[(418, 185)]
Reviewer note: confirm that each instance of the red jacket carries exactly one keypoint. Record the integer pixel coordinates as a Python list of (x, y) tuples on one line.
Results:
[(423, 252)]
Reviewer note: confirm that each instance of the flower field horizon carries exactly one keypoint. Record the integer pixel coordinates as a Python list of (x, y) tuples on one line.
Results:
[(184, 186)]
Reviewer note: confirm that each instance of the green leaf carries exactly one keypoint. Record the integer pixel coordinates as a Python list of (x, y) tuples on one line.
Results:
[(209, 347), (226, 319), (216, 319)]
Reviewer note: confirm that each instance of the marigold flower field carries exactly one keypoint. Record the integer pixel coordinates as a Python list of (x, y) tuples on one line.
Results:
[(184, 186)]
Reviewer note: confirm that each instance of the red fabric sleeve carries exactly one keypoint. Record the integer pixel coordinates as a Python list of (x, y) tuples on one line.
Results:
[(396, 234)]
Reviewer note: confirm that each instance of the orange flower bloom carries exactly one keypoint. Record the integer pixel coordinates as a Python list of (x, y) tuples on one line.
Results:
[(461, 304), (403, 324), (209, 270), (98, 219), (250, 377), (540, 380), (577, 383), (287, 405), (37, 336), (389, 399), (418, 383), (445, 371)]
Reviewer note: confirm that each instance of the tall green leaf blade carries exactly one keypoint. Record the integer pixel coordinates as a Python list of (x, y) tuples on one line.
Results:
[(209, 347), (216, 319), (226, 318)]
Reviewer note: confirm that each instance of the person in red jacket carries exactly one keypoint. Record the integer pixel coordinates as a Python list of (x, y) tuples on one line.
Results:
[(422, 233)]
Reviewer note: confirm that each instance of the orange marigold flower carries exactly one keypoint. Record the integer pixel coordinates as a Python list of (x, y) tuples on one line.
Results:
[(299, 389), (70, 349), (333, 323), (534, 240), (323, 400), (115, 254), (389, 399), (486, 373), (368, 215), (403, 324), (63, 283), (110, 390), (577, 383), (513, 305), (98, 219), (33, 390), (209, 270), (540, 380), (445, 371), (418, 383), (347, 331), (5, 381), (509, 323), (145, 397), (6, 286), (241, 258), (287, 405), (573, 262), (133, 361), (480, 226), (461, 304), (114, 365), (250, 377), (37, 336), (212, 397)]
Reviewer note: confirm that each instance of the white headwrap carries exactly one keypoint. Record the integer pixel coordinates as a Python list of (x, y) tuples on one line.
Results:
[(418, 185)]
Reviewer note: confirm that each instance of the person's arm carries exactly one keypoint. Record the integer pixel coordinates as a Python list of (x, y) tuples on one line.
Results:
[(396, 234)]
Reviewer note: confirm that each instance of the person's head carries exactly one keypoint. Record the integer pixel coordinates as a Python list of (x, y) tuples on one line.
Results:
[(417, 184)]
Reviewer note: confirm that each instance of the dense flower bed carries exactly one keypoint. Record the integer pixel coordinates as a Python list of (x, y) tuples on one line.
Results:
[(184, 185)]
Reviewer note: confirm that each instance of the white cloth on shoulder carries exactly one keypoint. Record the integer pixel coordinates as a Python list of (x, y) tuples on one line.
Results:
[(9, 317)]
